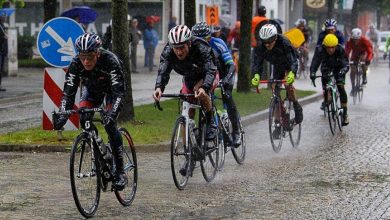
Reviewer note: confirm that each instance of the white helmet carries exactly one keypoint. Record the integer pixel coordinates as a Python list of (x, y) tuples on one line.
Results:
[(356, 33), (267, 31), (179, 35)]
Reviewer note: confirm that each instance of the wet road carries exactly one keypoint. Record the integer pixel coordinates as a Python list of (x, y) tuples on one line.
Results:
[(345, 176)]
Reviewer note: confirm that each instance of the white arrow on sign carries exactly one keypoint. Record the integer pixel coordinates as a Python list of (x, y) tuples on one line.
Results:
[(66, 46)]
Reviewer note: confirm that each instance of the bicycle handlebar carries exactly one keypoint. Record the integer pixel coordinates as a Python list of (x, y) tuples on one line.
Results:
[(174, 95), (314, 84)]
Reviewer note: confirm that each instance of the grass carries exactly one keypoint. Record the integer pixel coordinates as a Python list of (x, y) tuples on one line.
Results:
[(151, 125)]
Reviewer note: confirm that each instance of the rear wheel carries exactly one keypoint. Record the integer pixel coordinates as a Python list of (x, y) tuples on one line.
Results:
[(240, 151), (275, 125), (84, 176), (294, 130), (210, 161), (332, 112), (180, 154), (127, 195)]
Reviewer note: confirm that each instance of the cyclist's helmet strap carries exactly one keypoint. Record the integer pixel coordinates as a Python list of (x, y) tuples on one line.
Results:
[(88, 42), (179, 35), (201, 30)]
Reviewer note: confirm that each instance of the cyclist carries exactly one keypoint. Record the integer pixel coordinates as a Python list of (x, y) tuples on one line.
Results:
[(330, 27), (234, 37), (226, 71), (332, 58), (373, 35), (193, 58), (277, 49), (301, 25), (386, 49), (101, 75), (360, 49)]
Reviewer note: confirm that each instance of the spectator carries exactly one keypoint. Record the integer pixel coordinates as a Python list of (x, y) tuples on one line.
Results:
[(150, 43), (261, 11), (234, 38), (3, 47), (135, 34), (172, 23)]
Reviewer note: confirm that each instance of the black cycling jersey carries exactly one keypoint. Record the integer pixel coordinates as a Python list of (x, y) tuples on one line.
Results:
[(282, 56), (337, 61), (199, 64), (105, 79)]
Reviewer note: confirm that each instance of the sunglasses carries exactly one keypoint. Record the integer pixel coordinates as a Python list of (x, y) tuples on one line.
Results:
[(269, 41), (87, 57)]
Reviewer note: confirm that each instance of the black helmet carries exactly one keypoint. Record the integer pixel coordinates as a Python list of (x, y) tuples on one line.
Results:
[(201, 29), (261, 10), (88, 42)]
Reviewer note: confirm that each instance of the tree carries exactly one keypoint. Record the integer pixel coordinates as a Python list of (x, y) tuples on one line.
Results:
[(49, 9), (120, 46), (189, 13), (245, 46)]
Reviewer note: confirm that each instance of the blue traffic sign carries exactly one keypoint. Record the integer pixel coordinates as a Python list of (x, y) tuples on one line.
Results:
[(56, 39)]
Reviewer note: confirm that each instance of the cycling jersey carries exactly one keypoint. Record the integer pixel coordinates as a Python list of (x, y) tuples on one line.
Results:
[(105, 79), (338, 34), (363, 48), (336, 62), (199, 64), (282, 56), (223, 57)]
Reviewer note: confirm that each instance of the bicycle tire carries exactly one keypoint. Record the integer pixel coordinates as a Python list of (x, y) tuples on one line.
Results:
[(181, 156), (331, 111), (275, 122), (294, 129), (83, 154), (127, 195), (210, 161), (240, 151), (339, 115), (221, 142)]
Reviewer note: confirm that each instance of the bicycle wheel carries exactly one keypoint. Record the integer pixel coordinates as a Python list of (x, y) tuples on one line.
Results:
[(221, 143), (84, 176), (127, 195), (331, 111), (210, 161), (180, 154), (240, 151), (359, 87), (339, 111), (294, 130), (275, 125)]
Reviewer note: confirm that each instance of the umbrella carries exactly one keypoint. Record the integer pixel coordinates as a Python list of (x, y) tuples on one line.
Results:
[(152, 18), (6, 11), (84, 14)]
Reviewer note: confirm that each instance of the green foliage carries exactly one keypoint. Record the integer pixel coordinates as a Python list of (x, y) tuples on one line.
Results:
[(36, 63), (25, 45), (152, 126), (18, 3)]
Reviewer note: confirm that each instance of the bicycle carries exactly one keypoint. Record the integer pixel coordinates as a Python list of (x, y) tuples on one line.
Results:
[(281, 117), (357, 92), (225, 139), (92, 166), (188, 144), (332, 104)]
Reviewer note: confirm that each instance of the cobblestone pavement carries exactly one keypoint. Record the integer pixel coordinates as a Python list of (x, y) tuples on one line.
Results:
[(327, 177)]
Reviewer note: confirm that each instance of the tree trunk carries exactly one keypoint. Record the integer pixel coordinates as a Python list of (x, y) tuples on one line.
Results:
[(189, 13), (330, 8), (120, 46), (49, 9), (354, 14), (245, 46)]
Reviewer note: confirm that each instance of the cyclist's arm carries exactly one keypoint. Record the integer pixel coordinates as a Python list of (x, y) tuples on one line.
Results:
[(224, 52), (291, 56), (117, 87), (344, 61), (348, 47), (369, 49), (317, 59), (209, 66), (340, 37), (387, 44), (72, 80), (258, 59), (164, 69)]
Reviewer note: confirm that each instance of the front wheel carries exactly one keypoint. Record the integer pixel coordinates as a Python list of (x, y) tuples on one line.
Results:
[(210, 161), (180, 154), (332, 111), (275, 125), (84, 176), (240, 151), (126, 196)]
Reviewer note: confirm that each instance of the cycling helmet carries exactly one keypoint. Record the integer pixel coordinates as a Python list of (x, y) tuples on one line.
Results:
[(356, 33), (300, 22), (88, 42), (330, 23), (261, 10), (201, 30), (267, 32), (179, 35), (330, 40)]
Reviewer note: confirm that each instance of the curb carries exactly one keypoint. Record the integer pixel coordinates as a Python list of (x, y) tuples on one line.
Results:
[(146, 148)]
